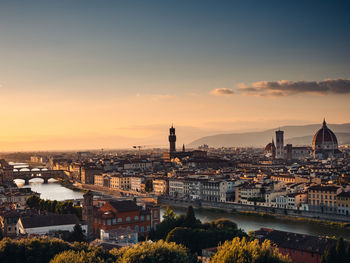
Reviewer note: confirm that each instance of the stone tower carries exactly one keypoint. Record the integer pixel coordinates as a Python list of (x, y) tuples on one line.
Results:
[(172, 139), (88, 209), (279, 144)]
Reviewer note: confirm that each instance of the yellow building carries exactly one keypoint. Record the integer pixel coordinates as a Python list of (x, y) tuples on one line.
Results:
[(323, 198)]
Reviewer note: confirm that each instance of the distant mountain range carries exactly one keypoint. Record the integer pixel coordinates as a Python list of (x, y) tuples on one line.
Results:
[(296, 135)]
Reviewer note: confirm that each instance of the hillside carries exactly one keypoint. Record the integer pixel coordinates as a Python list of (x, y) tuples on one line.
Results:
[(297, 135)]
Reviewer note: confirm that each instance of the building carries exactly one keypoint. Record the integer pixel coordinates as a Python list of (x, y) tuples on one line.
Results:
[(126, 214), (343, 203), (270, 150), (47, 224), (227, 190), (279, 144), (87, 214), (160, 186), (192, 189), (323, 198), (299, 247), (103, 180), (120, 236), (176, 188), (325, 144), (88, 173), (211, 190), (136, 183), (8, 222), (172, 140), (119, 181)]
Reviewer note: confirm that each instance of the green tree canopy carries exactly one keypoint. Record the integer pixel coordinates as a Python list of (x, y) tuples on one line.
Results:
[(243, 251), (190, 218), (154, 252)]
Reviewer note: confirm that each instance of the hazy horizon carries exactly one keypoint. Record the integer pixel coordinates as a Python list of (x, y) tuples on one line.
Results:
[(112, 74)]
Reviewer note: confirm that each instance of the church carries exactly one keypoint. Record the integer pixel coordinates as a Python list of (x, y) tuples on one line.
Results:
[(325, 144)]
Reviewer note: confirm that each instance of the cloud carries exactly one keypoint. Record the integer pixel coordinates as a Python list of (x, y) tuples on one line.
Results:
[(286, 88), (222, 91)]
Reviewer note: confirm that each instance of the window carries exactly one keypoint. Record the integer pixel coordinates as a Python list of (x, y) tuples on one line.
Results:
[(148, 228), (142, 218), (120, 220), (155, 214), (109, 222), (128, 219), (137, 228), (136, 218), (142, 229), (148, 217), (114, 221)]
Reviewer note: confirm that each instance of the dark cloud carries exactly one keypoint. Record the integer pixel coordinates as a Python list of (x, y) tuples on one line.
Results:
[(285, 87), (222, 91)]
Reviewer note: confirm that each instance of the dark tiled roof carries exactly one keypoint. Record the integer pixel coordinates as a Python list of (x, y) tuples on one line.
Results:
[(49, 220), (296, 241), (125, 205)]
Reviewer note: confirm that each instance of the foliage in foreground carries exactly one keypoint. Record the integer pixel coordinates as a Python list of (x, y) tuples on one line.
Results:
[(157, 252), (340, 253), (244, 251)]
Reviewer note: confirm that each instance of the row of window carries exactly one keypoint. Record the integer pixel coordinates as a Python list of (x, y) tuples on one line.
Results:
[(325, 197), (326, 203), (120, 219)]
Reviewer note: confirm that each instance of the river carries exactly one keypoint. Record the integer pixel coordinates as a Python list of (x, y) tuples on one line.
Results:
[(55, 191)]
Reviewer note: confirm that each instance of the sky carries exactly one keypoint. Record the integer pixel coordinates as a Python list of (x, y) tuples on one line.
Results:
[(83, 74)]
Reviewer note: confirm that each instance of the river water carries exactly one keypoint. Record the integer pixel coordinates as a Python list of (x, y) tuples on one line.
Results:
[(55, 191)]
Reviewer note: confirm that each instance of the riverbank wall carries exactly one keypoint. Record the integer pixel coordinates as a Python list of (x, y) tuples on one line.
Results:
[(251, 209)]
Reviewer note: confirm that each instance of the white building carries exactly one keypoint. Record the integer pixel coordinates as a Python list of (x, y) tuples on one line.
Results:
[(136, 183), (176, 188)]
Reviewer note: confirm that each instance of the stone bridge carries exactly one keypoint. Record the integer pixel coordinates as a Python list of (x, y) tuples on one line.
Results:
[(26, 174)]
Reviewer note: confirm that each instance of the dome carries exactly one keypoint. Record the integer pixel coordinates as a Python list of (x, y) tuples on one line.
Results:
[(324, 139), (270, 150), (270, 147)]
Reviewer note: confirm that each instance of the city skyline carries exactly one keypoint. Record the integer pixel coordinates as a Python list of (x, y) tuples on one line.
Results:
[(87, 74)]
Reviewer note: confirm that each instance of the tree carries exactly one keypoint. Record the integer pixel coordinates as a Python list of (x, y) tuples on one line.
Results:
[(77, 234), (243, 251), (224, 223), (149, 186), (338, 253), (154, 252), (190, 218), (169, 214), (199, 238)]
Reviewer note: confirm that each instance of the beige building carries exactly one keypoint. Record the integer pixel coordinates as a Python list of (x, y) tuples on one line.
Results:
[(119, 181), (323, 198), (160, 186)]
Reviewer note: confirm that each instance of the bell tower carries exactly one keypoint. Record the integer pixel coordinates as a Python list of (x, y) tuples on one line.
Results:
[(87, 214), (172, 139)]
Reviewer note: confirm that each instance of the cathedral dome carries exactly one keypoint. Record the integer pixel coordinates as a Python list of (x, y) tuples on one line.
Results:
[(270, 150), (324, 139)]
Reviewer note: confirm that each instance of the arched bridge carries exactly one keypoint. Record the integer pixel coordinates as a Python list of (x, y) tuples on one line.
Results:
[(27, 174)]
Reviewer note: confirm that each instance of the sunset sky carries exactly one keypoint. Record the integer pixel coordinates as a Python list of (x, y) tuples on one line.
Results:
[(82, 74)]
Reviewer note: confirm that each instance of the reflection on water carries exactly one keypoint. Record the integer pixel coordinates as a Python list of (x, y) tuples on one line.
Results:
[(248, 223), (52, 191)]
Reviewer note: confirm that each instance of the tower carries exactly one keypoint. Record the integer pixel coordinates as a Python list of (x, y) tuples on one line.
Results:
[(279, 144), (87, 214), (172, 139)]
